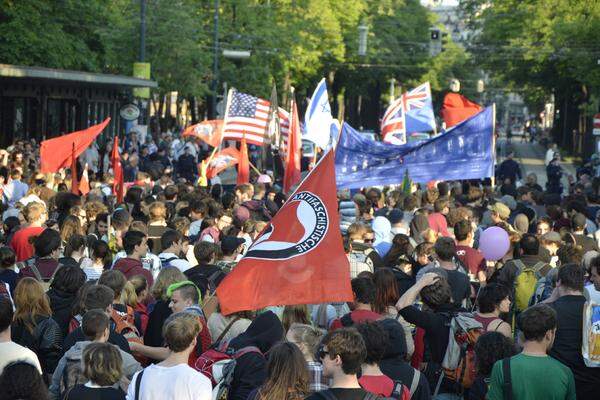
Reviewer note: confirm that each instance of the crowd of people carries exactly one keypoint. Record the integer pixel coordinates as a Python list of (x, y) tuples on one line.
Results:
[(108, 300)]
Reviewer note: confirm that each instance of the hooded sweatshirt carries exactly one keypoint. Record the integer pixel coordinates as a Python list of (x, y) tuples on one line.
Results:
[(130, 267), (251, 368), (383, 235), (130, 366), (61, 304), (393, 363)]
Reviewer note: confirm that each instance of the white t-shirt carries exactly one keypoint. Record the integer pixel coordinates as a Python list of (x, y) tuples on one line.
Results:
[(180, 382), (182, 265), (10, 352)]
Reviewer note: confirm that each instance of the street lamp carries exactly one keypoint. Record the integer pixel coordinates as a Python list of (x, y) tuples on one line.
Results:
[(363, 31)]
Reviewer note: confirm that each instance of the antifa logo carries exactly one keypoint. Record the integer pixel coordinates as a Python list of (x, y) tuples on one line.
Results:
[(205, 129), (299, 228)]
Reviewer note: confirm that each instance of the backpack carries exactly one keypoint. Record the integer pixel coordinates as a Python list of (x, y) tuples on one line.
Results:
[(543, 290), (125, 325), (458, 364), (166, 263), (362, 256), (590, 343), (31, 263), (218, 365), (75, 322), (72, 375), (525, 283)]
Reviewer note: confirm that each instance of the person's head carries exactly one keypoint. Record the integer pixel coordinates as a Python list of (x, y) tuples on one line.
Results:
[(68, 279), (102, 224), (363, 290), (98, 297), (386, 290), (489, 348), (102, 364), (463, 231), (75, 247), (231, 246), (424, 252), (287, 375), (571, 278), (244, 192), (70, 226), (306, 337), (166, 277), (441, 206), (35, 213), (342, 352), (493, 298), (437, 294), (30, 302), (551, 241), (101, 252), (538, 324), (135, 244), (7, 257), (578, 222), (499, 212), (295, 314), (356, 232), (529, 245), (21, 380), (95, 325), (115, 280), (445, 249), (138, 285), (205, 252), (225, 220), (157, 212), (185, 295), (172, 241), (47, 244), (376, 341), (180, 331), (6, 313)]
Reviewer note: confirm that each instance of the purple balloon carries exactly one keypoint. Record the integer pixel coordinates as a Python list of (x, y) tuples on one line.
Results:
[(494, 243)]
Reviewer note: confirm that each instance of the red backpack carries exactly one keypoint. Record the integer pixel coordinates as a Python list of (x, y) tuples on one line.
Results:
[(125, 325)]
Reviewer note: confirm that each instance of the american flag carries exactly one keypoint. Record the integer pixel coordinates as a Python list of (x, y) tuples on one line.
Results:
[(248, 116), (393, 123)]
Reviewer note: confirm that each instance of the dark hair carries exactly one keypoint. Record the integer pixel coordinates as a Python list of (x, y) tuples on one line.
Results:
[(94, 323), (169, 237), (46, 242), (401, 247), (489, 348), (535, 321), (205, 251), (100, 249), (462, 229), (529, 244), (349, 345), (132, 239), (189, 292), (376, 341), (115, 280), (22, 380), (386, 290), (490, 296), (440, 204), (364, 290), (437, 294), (7, 257), (571, 276), (6, 313), (570, 254), (410, 203), (445, 248), (74, 243), (98, 296), (68, 278)]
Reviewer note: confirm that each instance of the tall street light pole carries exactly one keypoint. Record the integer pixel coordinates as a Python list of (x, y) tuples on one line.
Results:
[(215, 80), (142, 30)]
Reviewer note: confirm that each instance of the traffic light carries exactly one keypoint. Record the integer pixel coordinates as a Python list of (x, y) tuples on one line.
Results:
[(435, 43)]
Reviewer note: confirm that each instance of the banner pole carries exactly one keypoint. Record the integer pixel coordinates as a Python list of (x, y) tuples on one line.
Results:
[(494, 146)]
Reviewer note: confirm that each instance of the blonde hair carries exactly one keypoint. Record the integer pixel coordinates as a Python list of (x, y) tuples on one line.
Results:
[(166, 277), (180, 330), (297, 313), (102, 363), (33, 211), (133, 288), (30, 302), (308, 335), (93, 208), (157, 211)]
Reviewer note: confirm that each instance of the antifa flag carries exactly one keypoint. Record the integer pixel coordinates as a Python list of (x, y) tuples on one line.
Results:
[(457, 108), (299, 257), (210, 131), (228, 157)]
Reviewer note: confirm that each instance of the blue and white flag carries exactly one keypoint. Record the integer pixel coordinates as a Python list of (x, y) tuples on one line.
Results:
[(317, 120), (463, 152)]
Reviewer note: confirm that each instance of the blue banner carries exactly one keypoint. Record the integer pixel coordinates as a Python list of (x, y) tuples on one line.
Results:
[(463, 152)]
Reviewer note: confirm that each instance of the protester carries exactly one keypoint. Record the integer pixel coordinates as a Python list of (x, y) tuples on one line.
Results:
[(8, 275), (135, 244), (364, 295), (35, 214), (45, 261), (307, 338), (63, 291), (172, 245), (490, 347), (9, 350), (21, 380), (492, 301)]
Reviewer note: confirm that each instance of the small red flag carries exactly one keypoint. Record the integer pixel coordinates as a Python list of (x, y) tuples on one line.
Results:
[(210, 131), (84, 184), (457, 108), (74, 184), (299, 257), (228, 157), (243, 164), (56, 153), (115, 159), (292, 162)]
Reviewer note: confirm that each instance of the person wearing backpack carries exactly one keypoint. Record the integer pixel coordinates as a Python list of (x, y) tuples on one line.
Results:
[(36, 215), (172, 244), (205, 275), (533, 374), (364, 291), (43, 265), (68, 373), (362, 248), (173, 378), (135, 244), (569, 303), (124, 318)]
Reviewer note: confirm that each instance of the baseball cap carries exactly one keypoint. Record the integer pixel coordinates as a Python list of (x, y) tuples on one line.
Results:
[(395, 216), (230, 243), (501, 209), (551, 237), (578, 221), (509, 201)]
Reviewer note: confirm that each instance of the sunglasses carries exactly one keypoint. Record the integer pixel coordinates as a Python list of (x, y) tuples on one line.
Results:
[(321, 353)]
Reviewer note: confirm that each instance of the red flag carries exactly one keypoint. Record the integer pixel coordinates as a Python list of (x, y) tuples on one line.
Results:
[(299, 257), (210, 132), (84, 184), (457, 108), (56, 153), (228, 157), (294, 149), (74, 184), (243, 164), (115, 160)]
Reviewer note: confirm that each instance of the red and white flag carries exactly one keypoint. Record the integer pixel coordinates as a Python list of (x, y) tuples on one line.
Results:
[(299, 257), (84, 183), (249, 115), (228, 157), (243, 171), (210, 131)]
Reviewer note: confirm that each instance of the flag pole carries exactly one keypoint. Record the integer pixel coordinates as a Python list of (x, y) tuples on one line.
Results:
[(493, 181), (225, 115)]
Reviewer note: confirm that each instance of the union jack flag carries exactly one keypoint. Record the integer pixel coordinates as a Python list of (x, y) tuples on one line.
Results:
[(417, 98), (393, 124), (248, 116)]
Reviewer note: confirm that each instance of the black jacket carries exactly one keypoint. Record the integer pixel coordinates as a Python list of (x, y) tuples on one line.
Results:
[(393, 363), (61, 304), (45, 341), (251, 368), (200, 275), (159, 314)]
